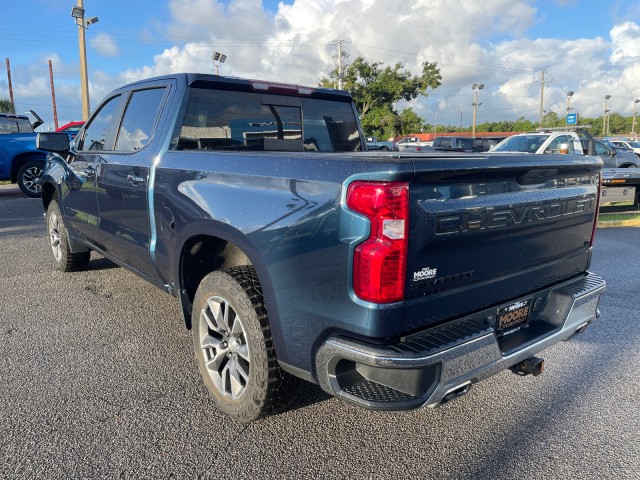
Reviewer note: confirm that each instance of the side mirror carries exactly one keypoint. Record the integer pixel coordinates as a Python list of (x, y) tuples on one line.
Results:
[(53, 142)]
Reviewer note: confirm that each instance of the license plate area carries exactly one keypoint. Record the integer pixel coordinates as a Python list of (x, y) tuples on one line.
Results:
[(513, 315)]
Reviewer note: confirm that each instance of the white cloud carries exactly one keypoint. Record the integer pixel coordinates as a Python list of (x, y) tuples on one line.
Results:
[(471, 41), (104, 44)]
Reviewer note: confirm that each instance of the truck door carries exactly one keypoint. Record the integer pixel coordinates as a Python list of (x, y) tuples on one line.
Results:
[(79, 197), (122, 182)]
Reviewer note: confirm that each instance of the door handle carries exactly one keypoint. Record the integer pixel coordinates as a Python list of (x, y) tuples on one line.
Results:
[(135, 179)]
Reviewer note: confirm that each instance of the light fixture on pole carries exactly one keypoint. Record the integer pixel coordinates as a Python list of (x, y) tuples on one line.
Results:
[(569, 95), (605, 119), (635, 114), (77, 13), (218, 59), (476, 87)]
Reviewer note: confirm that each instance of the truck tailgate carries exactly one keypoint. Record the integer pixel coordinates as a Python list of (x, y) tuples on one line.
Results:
[(495, 228)]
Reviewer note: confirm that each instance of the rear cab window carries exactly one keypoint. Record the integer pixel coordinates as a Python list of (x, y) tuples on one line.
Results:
[(14, 125), (230, 120)]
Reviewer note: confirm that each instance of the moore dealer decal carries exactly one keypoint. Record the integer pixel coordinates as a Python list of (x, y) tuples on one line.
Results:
[(425, 274)]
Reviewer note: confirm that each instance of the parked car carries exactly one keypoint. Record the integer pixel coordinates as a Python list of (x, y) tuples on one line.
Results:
[(20, 161), (71, 129), (374, 144), (457, 144), (632, 145)]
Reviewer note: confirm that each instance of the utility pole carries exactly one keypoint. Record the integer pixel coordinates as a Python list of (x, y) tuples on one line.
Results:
[(542, 82), (53, 97), (341, 57), (13, 105), (460, 112)]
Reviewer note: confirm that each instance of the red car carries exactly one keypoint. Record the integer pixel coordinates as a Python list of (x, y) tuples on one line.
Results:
[(71, 129)]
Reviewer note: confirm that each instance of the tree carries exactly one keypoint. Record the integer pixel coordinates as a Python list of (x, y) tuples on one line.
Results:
[(410, 122), (6, 106), (376, 89), (523, 125)]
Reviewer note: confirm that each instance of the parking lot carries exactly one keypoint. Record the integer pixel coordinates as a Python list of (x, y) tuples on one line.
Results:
[(98, 379)]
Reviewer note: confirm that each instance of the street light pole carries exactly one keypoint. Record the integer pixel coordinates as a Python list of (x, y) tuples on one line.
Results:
[(476, 87), (605, 122), (635, 114), (569, 95), (218, 59), (77, 12)]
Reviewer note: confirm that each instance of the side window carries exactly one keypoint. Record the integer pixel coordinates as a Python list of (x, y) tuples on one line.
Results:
[(139, 119), (561, 144), (601, 149), (99, 133)]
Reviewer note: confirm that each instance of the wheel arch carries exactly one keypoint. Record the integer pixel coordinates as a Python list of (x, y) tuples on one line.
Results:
[(213, 249), (18, 160)]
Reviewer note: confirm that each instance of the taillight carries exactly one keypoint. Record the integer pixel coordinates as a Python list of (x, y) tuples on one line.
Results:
[(595, 220), (380, 261)]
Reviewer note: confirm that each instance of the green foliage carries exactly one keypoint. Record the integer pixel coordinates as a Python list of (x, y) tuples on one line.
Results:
[(6, 106), (410, 122), (376, 89)]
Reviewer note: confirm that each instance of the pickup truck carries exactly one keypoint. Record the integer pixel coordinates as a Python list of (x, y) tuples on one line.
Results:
[(394, 281), (20, 160), (374, 144), (412, 143), (566, 142)]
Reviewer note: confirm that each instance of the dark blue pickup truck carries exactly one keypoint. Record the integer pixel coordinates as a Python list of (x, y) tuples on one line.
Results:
[(394, 281)]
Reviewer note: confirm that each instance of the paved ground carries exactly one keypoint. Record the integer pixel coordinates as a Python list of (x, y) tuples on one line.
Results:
[(98, 379)]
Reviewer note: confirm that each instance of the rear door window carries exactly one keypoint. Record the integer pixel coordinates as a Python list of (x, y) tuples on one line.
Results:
[(139, 119)]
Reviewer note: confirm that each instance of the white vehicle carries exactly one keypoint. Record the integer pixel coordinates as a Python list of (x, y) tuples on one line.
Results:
[(635, 146), (566, 142), (620, 178), (411, 143)]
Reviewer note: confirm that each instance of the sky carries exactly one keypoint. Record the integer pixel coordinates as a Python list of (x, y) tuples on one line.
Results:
[(591, 47)]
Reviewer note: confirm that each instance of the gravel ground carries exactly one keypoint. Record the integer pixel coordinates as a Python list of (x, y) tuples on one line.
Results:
[(98, 379)]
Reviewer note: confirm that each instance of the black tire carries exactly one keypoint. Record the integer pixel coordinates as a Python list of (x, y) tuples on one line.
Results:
[(232, 340), (63, 259), (29, 178), (384, 148)]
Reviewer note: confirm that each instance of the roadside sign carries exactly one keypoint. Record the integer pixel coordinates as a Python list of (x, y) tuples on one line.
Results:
[(572, 118)]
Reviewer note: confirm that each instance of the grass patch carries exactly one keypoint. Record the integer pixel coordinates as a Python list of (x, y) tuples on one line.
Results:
[(613, 217)]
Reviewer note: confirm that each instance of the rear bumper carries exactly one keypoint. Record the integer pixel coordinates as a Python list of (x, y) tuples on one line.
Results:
[(431, 367)]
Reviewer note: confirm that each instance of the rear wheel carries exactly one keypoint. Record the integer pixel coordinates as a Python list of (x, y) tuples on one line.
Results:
[(63, 259), (29, 178), (234, 348)]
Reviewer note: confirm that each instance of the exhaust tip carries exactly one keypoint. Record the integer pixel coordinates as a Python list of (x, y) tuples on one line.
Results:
[(456, 392)]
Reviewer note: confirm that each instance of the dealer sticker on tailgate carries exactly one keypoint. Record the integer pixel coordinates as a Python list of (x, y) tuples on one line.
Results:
[(513, 315)]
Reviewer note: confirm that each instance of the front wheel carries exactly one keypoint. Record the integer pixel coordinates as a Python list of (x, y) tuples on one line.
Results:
[(63, 259), (29, 178), (234, 348)]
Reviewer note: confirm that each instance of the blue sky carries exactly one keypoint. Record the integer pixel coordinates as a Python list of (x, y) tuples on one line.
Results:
[(588, 46)]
